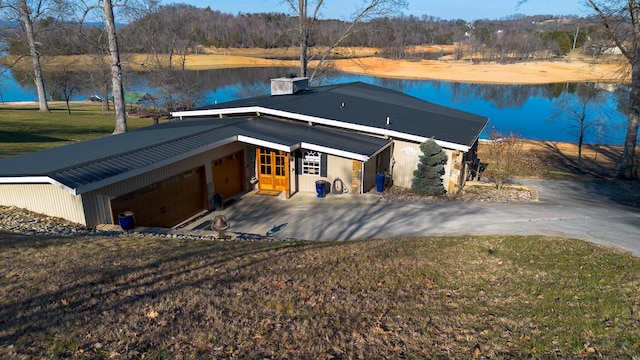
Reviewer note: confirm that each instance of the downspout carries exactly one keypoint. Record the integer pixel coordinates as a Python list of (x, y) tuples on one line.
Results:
[(361, 177)]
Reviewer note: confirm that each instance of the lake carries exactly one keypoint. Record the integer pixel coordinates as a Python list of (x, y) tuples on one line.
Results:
[(531, 111)]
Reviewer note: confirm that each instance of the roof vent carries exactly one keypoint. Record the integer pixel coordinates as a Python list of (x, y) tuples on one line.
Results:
[(288, 85)]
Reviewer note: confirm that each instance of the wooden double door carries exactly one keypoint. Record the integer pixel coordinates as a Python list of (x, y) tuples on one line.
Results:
[(273, 169)]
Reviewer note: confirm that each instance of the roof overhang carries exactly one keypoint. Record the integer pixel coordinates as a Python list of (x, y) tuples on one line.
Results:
[(36, 180), (304, 145), (259, 110)]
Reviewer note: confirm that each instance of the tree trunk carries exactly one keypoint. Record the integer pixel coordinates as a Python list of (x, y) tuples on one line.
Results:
[(116, 70), (627, 163), (303, 29), (35, 57)]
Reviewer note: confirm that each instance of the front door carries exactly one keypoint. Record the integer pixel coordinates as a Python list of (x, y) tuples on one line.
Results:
[(273, 169)]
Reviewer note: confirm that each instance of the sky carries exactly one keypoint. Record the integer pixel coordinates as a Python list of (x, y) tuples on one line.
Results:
[(445, 9)]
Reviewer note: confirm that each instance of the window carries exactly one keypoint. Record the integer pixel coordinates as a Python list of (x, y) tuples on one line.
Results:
[(311, 163)]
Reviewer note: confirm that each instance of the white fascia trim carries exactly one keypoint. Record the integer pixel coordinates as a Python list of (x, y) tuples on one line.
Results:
[(225, 111), (332, 151), (263, 143), (421, 139), (37, 180)]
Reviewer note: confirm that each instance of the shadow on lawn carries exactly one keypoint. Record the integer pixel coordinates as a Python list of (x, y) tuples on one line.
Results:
[(24, 137), (122, 277)]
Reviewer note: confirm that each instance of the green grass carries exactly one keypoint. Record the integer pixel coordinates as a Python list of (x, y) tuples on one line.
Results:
[(24, 129), (134, 297)]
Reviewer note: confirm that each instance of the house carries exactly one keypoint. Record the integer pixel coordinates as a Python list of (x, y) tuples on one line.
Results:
[(344, 134)]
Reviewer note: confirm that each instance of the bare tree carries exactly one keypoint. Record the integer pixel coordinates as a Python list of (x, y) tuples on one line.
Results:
[(621, 18), (581, 112), (308, 12), (169, 38), (505, 153), (114, 57), (622, 21), (63, 81), (27, 14)]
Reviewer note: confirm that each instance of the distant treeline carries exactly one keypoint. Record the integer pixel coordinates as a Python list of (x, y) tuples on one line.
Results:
[(184, 29)]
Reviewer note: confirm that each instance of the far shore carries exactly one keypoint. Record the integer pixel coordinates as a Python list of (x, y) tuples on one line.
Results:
[(572, 68), (538, 72)]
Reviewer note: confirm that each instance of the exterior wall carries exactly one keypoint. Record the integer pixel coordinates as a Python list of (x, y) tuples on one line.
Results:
[(406, 156), (457, 172), (370, 170), (44, 199), (100, 209), (337, 168)]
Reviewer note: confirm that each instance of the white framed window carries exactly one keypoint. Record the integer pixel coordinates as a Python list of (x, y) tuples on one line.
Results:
[(311, 163)]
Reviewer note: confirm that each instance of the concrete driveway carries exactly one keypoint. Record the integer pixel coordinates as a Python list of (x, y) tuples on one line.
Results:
[(581, 210)]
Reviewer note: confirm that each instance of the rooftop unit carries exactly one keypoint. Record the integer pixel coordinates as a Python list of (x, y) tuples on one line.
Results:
[(288, 85)]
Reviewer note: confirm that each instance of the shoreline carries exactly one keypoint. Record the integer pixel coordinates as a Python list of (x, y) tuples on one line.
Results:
[(571, 68)]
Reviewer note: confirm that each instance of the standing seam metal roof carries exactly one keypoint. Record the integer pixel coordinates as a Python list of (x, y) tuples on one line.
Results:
[(96, 163), (369, 105)]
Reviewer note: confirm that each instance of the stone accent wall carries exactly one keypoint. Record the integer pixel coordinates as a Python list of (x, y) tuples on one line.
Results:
[(456, 174), (356, 176)]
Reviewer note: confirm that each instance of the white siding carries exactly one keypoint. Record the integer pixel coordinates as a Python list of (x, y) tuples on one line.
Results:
[(44, 199)]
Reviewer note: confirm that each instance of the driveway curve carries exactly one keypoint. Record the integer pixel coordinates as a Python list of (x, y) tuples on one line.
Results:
[(588, 211)]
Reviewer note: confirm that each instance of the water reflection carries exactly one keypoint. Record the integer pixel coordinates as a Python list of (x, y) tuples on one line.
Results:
[(529, 110)]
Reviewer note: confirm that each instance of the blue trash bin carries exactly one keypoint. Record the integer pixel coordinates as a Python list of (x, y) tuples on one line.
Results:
[(127, 220), (380, 182), (321, 188), (217, 201)]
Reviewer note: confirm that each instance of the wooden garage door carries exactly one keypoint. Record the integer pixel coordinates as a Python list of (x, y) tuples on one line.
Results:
[(165, 203), (227, 175)]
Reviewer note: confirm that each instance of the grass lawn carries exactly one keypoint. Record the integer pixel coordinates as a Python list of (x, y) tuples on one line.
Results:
[(454, 297), (24, 129)]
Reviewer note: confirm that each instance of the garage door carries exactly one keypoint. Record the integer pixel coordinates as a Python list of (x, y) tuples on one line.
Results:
[(227, 175), (165, 203)]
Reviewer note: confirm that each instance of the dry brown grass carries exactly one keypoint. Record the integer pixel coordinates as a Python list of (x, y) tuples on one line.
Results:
[(559, 160), (135, 297)]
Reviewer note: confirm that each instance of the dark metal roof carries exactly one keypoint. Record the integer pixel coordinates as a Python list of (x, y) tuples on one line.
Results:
[(294, 133), (369, 105), (96, 163)]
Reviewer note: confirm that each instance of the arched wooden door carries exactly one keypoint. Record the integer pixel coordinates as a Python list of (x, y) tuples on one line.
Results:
[(273, 169)]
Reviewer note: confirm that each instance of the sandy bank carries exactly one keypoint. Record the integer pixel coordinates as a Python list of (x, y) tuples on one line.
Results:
[(573, 68), (542, 72)]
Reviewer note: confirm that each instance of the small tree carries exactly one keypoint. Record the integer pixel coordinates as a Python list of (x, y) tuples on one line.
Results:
[(581, 112), (427, 178), (505, 151)]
